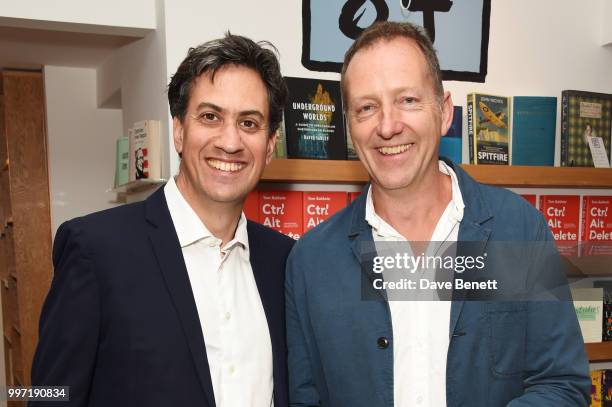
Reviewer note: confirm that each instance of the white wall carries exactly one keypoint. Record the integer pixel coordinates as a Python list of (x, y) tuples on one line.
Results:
[(139, 72), (131, 17), (536, 47), (81, 143), (606, 22)]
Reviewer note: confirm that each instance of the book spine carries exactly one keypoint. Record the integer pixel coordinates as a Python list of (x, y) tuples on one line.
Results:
[(510, 128), (564, 129), (583, 226), (470, 127)]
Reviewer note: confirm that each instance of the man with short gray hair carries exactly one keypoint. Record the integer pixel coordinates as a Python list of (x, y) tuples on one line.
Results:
[(179, 300), (350, 349)]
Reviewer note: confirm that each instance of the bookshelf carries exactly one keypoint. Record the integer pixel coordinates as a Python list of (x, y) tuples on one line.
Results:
[(352, 172)]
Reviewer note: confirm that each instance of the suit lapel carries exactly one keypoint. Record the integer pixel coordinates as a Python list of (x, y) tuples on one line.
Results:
[(172, 265), (471, 242), (473, 230)]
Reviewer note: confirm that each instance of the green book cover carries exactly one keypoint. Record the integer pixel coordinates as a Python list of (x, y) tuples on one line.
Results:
[(122, 161)]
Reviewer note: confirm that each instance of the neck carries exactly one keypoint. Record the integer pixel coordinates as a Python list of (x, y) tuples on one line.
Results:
[(220, 218), (414, 211)]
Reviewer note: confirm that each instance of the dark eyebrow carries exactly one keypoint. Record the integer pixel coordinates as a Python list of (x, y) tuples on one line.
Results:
[(219, 109), (210, 106)]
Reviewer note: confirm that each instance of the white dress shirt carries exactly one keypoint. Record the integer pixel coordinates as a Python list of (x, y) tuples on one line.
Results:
[(231, 314), (420, 328)]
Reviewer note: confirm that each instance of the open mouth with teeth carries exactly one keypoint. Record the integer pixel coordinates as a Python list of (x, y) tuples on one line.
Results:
[(395, 149), (225, 166)]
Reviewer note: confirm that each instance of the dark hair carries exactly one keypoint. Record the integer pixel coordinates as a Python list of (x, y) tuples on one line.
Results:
[(234, 50), (387, 31)]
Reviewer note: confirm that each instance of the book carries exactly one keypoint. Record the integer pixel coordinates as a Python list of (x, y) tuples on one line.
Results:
[(588, 303), (489, 129), (145, 150), (280, 150), (251, 206), (353, 195), (450, 143), (531, 198), (314, 120), (585, 118), (320, 206), (562, 213), (607, 308), (351, 153), (596, 388), (606, 388), (282, 211), (596, 230), (534, 120), (122, 161)]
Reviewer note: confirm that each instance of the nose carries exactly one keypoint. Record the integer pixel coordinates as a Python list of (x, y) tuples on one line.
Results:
[(389, 124), (229, 139)]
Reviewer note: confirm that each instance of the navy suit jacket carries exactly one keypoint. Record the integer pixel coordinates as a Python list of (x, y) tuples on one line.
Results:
[(120, 324)]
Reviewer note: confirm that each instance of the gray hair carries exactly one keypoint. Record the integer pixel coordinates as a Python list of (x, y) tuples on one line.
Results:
[(230, 50), (387, 31)]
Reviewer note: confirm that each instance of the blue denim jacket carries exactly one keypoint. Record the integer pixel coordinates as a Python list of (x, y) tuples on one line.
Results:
[(514, 354)]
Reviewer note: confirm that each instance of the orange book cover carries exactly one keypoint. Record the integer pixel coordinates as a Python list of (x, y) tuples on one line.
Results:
[(562, 213), (251, 206), (353, 195), (596, 231), (531, 198), (320, 206), (282, 211)]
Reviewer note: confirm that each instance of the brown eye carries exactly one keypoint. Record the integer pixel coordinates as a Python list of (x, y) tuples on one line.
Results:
[(208, 116), (250, 125)]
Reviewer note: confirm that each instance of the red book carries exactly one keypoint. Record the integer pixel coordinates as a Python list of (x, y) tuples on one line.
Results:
[(531, 198), (562, 213), (596, 231), (320, 206), (282, 211), (353, 195), (251, 206)]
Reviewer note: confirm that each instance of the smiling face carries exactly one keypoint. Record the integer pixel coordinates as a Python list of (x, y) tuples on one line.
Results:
[(395, 118), (224, 138)]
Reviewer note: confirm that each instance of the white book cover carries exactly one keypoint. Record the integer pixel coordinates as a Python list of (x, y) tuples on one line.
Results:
[(588, 303), (145, 150)]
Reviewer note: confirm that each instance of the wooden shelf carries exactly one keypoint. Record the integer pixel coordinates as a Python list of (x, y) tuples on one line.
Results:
[(134, 187), (599, 351), (326, 171), (588, 266), (137, 186), (336, 171)]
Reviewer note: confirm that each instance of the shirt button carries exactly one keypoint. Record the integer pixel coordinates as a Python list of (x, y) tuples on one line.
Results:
[(212, 243), (228, 316), (232, 370), (382, 342)]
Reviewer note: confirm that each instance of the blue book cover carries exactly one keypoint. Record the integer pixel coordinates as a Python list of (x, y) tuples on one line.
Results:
[(533, 137), (450, 144)]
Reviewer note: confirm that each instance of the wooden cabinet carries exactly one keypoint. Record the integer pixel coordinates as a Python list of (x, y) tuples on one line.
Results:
[(25, 221)]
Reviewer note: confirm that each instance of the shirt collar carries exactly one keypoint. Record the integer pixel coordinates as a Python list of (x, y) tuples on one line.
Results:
[(382, 228), (188, 225)]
